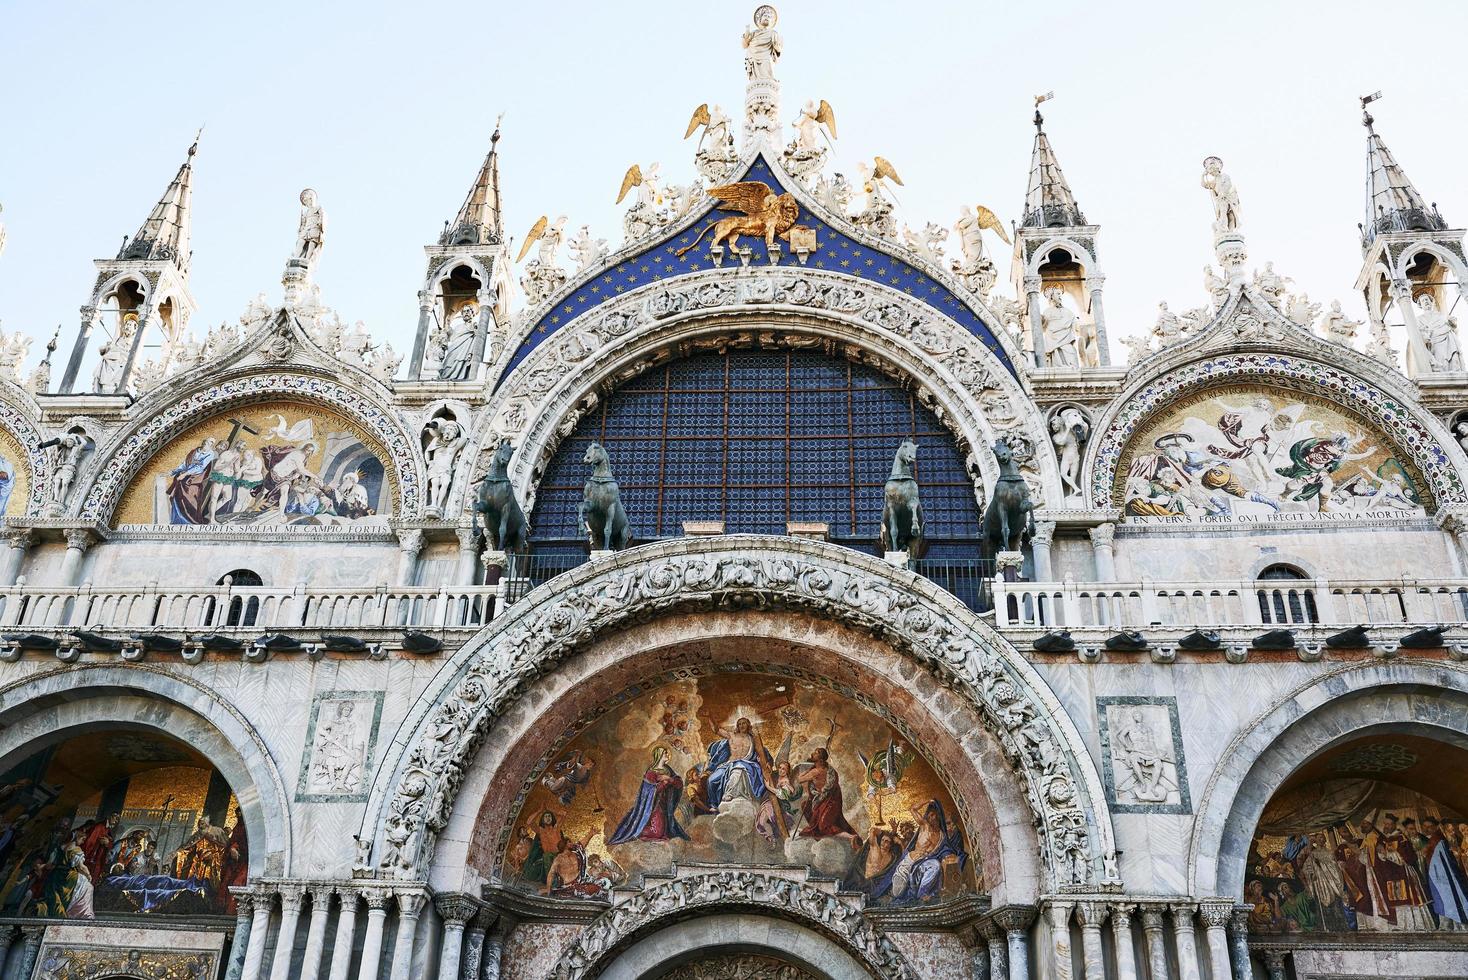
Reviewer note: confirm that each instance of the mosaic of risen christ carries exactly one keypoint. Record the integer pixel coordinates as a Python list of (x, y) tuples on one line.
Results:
[(740, 768)]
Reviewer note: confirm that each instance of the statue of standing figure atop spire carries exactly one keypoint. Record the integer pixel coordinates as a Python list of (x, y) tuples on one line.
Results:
[(311, 231), (762, 49), (1228, 237)]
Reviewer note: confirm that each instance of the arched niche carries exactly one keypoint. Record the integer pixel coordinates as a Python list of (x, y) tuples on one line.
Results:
[(842, 768), (116, 776), (1354, 703)]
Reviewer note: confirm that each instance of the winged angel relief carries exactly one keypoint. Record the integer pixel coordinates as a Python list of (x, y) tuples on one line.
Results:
[(766, 214)]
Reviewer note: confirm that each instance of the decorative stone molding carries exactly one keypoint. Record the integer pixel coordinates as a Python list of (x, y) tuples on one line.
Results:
[(1414, 431), (953, 373), (17, 410), (839, 918), (76, 962), (128, 450), (414, 800)]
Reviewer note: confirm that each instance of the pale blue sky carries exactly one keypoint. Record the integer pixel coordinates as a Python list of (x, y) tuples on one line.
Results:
[(386, 110)]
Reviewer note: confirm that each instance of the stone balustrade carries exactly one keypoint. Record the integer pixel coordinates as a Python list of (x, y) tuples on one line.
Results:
[(1263, 603)]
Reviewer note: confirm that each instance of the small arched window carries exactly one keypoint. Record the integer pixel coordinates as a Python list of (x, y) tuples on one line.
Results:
[(243, 610), (1286, 605)]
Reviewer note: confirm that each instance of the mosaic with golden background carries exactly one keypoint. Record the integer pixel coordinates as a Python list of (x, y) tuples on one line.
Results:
[(119, 824), (741, 768), (1251, 451), (279, 463), (15, 476)]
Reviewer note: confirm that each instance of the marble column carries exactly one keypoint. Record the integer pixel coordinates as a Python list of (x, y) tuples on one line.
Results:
[(1102, 536), (243, 909), (1040, 547), (1274, 962), (346, 932), (377, 899), (1156, 944), (1057, 917), (316, 932), (979, 957), (468, 568), (998, 953), (1419, 360), (259, 932), (1090, 915), (455, 911), (1185, 935), (1121, 938), (474, 944), (1016, 920), (1215, 917), (494, 946), (18, 542), (1032, 307), (410, 906), (292, 897), (1239, 934), (7, 936), (410, 546), (1094, 283), (30, 949), (78, 540)]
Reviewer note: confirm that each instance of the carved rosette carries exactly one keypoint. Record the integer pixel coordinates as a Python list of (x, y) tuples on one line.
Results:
[(839, 918), (736, 570)]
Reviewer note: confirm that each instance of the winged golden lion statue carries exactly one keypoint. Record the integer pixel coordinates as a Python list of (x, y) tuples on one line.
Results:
[(766, 214)]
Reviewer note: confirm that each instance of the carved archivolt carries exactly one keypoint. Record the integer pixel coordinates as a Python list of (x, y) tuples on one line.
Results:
[(1060, 781), (125, 454), (954, 373), (839, 918), (17, 412), (68, 962)]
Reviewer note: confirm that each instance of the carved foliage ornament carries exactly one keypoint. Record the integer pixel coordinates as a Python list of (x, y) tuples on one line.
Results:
[(840, 918), (1392, 416), (125, 459), (84, 963), (528, 645)]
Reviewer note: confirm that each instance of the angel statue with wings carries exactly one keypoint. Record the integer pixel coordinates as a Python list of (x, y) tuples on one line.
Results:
[(976, 270), (765, 215), (643, 218), (543, 274), (807, 151), (876, 214), (716, 156)]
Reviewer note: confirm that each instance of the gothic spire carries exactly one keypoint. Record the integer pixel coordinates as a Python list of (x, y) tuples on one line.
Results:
[(1392, 202), (1048, 201), (165, 235), (478, 222)]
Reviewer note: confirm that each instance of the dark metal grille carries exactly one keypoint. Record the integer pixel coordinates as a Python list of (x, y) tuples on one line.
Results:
[(756, 439)]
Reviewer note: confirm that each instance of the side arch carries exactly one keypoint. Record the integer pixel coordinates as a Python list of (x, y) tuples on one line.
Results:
[(862, 950), (46, 708), (129, 449), (412, 799), (1426, 697), (1378, 400), (18, 410)]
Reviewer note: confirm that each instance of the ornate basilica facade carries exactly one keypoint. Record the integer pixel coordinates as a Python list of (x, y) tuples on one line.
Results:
[(784, 593)]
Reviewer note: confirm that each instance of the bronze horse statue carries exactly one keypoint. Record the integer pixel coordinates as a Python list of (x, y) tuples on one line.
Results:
[(601, 512), (902, 511), (1009, 519), (504, 521)]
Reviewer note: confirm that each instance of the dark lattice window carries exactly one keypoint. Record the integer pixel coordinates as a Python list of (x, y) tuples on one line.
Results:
[(756, 439)]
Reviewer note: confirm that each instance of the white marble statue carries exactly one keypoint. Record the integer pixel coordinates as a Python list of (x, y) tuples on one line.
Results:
[(354, 345), (1380, 345), (66, 458), (543, 274), (1216, 287), (762, 44), (1169, 327), (1069, 430), (1138, 346), (1271, 284), (1336, 326), (311, 231), (1440, 334), (385, 362), (586, 251), (112, 357), (1059, 323), (1299, 308), (2, 233), (809, 138), (718, 134), (1225, 196), (446, 438), (457, 360), (13, 350)]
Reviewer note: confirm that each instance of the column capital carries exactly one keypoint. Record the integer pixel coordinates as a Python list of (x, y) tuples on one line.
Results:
[(1239, 920), (1032, 285), (410, 541), (1216, 912), (348, 895), (1182, 912), (411, 902), (1044, 533), (1121, 914), (79, 538), (244, 901), (1102, 535), (1057, 914), (377, 898), (455, 909), (321, 897), (1095, 281), (468, 538), (1151, 919), (989, 932), (292, 895), (1014, 918), (20, 537), (1092, 913)]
